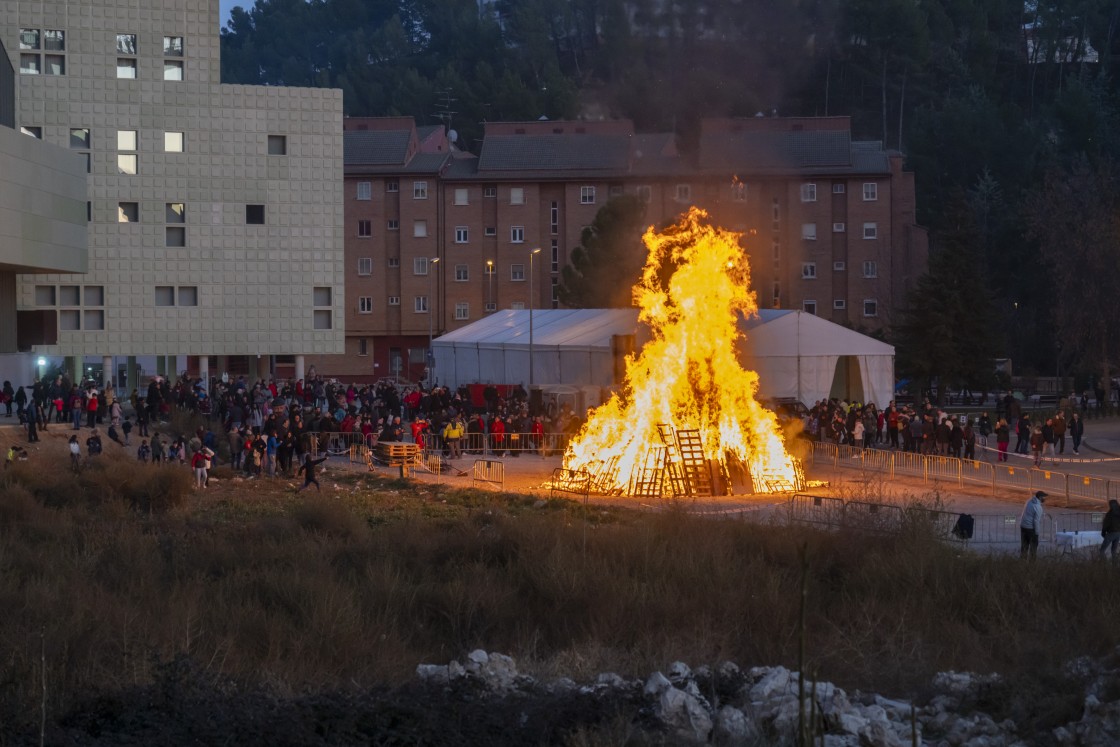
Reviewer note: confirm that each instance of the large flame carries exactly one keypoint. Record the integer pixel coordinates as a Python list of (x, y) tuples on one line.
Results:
[(695, 284)]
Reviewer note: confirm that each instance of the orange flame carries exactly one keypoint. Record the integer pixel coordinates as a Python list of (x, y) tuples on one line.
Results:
[(695, 283)]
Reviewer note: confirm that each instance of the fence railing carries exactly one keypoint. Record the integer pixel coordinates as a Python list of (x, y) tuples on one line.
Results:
[(931, 468)]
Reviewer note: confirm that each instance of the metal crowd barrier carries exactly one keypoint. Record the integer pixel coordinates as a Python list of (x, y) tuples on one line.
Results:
[(488, 472), (931, 467)]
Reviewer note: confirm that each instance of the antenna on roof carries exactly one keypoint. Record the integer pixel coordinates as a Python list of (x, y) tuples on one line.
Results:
[(443, 108)]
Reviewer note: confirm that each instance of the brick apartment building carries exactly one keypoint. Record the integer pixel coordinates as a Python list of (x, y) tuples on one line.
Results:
[(829, 222)]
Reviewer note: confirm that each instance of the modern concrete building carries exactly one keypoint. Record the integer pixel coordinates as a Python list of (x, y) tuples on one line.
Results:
[(42, 224), (828, 221), (215, 211)]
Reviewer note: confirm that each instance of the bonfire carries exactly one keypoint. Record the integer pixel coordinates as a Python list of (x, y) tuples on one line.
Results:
[(694, 289)]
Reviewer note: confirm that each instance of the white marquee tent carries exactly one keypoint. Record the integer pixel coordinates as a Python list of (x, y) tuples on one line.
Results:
[(797, 355), (570, 347)]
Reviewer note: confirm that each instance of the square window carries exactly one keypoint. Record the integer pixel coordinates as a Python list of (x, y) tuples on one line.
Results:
[(365, 229), (394, 300), (462, 234), (684, 193), (517, 272), (870, 230), (586, 195), (392, 186), (809, 270), (29, 39), (870, 269), (490, 231), (394, 261), (126, 163), (321, 296), (393, 225), (489, 191), (363, 346), (419, 190), (128, 212), (420, 265), (126, 43), (365, 266), (809, 231), (69, 295), (517, 196), (870, 307), (54, 40), (29, 64), (126, 68), (838, 227), (462, 273), (462, 311), (172, 46), (322, 319), (809, 306), (174, 212), (420, 304), (35, 132), (838, 188), (365, 191), (188, 295), (126, 139), (44, 295), (175, 236), (809, 192), (870, 191), (839, 266), (69, 319), (839, 304), (79, 138), (173, 142), (254, 215), (172, 69), (54, 64), (420, 228), (517, 234), (462, 196), (277, 145), (365, 304), (94, 295), (165, 295), (93, 319), (491, 307)]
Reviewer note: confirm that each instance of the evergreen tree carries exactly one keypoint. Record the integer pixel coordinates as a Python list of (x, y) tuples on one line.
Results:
[(609, 260)]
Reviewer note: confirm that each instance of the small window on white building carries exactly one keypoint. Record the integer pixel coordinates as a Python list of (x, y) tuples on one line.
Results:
[(173, 142), (165, 295), (128, 212), (277, 145)]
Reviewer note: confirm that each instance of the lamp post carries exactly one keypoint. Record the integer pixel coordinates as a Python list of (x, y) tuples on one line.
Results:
[(432, 263), (532, 255), (490, 293)]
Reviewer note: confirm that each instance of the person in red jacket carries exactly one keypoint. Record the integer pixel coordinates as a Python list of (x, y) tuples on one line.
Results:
[(497, 436)]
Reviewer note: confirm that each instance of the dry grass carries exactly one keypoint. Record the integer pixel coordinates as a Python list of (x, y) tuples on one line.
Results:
[(360, 584)]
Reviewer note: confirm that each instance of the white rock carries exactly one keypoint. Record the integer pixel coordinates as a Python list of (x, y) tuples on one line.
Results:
[(610, 679), (702, 672), (729, 670), (732, 727), (880, 734), (478, 656), (432, 672), (776, 681), (849, 723), (679, 672), (455, 670), (657, 684), (684, 715), (896, 709)]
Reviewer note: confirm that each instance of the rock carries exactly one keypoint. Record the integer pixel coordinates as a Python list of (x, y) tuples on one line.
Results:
[(500, 672), (841, 740), (455, 670), (562, 685), (679, 672), (702, 672), (898, 710), (433, 673), (540, 504), (732, 727), (849, 723), (683, 714), (478, 656), (610, 679), (656, 684), (729, 670), (777, 680)]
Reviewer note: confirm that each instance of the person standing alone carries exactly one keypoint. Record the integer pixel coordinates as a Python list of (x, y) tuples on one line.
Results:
[(1030, 524)]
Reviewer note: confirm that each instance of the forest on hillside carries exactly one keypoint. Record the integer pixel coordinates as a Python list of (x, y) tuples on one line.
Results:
[(1003, 108)]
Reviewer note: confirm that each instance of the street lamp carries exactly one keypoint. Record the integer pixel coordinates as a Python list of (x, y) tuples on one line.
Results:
[(431, 313), (532, 254), (490, 293)]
